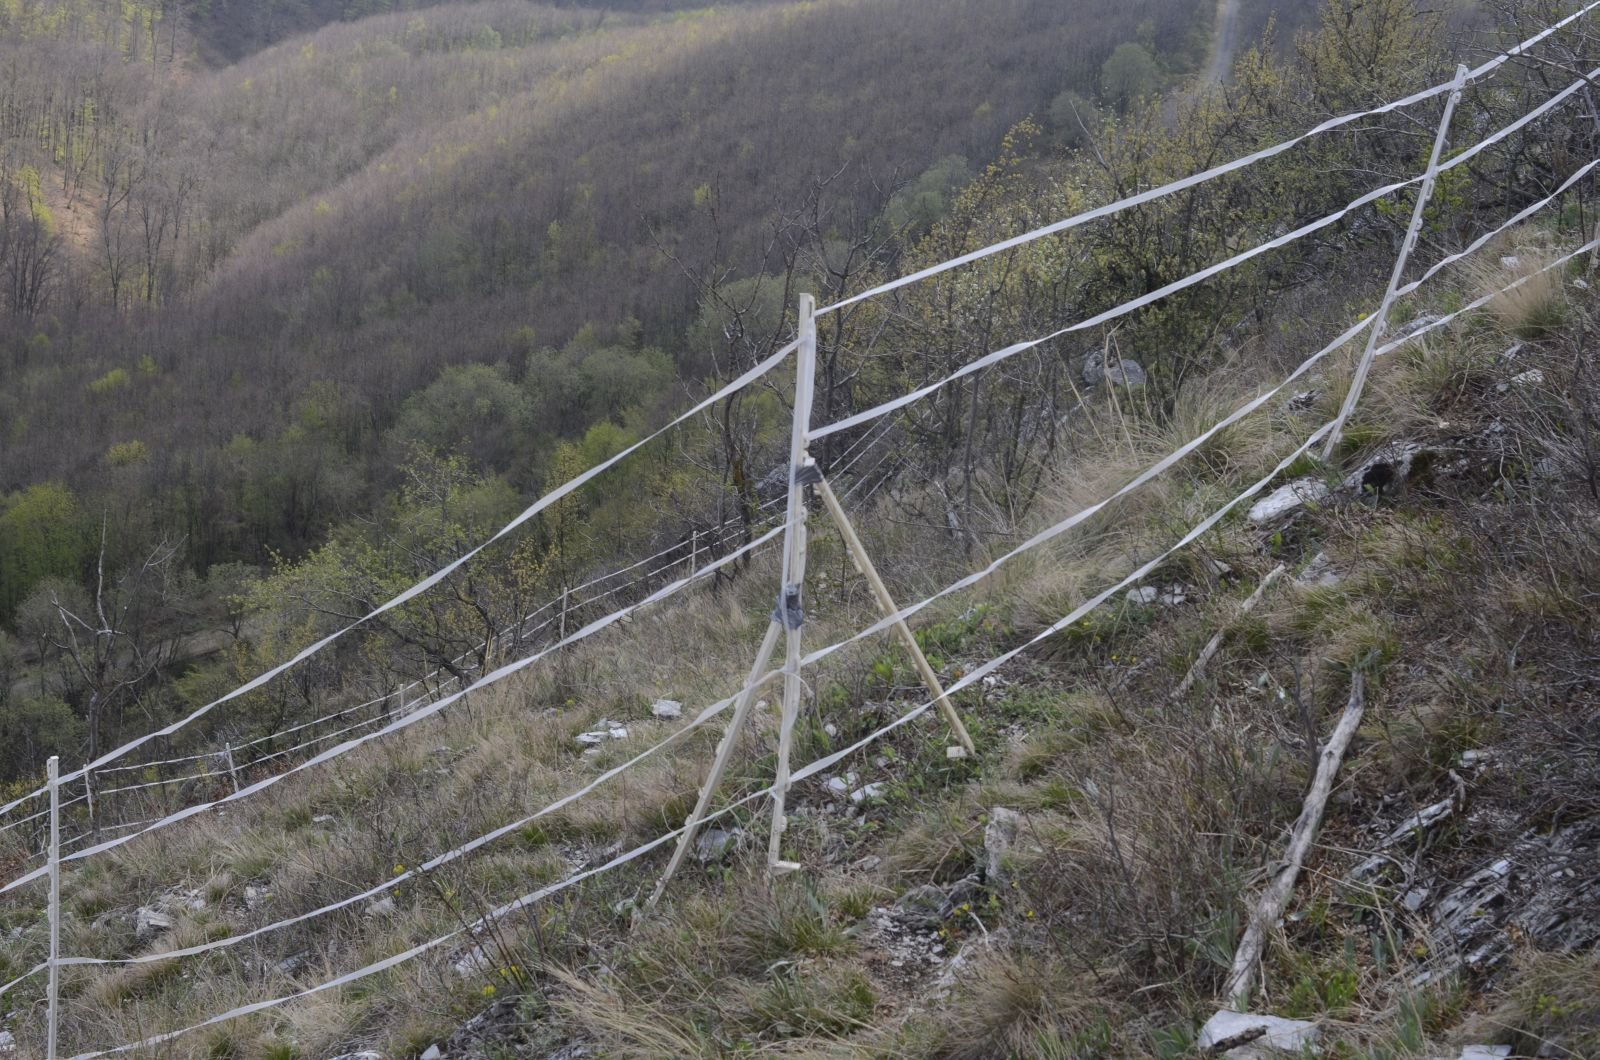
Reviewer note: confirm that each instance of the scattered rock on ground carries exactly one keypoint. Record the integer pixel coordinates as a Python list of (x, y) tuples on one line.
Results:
[(1319, 573), (970, 952), (1255, 1036), (1390, 466), (716, 844), (903, 945), (922, 905), (148, 923), (1287, 498), (868, 793), (667, 708), (472, 963), (1119, 371), (999, 836), (1532, 377), (1304, 401), (604, 730), (290, 965), (962, 894), (1144, 594), (1427, 320)]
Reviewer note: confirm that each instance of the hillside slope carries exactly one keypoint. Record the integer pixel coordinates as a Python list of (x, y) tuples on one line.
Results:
[(1155, 595), (1075, 890)]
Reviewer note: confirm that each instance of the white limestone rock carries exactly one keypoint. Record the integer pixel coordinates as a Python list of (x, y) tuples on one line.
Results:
[(1288, 498), (148, 923), (1283, 1036)]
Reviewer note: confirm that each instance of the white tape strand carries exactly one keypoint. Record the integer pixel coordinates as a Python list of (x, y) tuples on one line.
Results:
[(1188, 281), (1185, 183), (416, 716), (804, 773), (550, 498)]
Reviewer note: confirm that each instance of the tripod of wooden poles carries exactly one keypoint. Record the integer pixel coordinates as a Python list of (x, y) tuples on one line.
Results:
[(788, 621)]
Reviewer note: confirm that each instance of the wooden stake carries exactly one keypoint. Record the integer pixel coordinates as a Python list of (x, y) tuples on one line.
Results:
[(886, 604), (88, 795), (227, 750), (719, 765), (55, 906), (1210, 650), (1241, 980), (1375, 333), (791, 600)]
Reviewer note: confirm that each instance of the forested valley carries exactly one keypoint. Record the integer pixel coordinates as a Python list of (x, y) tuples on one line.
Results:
[(255, 309), (400, 458)]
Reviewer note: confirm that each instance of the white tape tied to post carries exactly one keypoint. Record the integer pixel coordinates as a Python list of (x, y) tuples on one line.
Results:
[(1476, 74), (804, 773), (415, 717), (1171, 459), (555, 495), (1194, 278)]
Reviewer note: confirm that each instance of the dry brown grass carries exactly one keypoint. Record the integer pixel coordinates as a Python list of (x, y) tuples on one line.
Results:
[(1149, 820), (1538, 307)]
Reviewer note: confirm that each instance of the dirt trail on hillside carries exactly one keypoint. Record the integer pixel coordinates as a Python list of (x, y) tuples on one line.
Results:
[(1224, 42)]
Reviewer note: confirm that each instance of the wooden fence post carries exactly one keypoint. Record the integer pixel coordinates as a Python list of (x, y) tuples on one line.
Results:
[(55, 907), (1381, 318), (791, 601)]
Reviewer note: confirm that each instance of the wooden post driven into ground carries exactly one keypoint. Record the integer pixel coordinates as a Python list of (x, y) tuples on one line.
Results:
[(54, 994), (791, 604), (863, 564), (1353, 397), (788, 620), (233, 770)]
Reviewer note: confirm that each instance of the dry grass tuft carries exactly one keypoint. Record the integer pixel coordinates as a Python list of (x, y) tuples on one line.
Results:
[(1538, 307), (1024, 1006)]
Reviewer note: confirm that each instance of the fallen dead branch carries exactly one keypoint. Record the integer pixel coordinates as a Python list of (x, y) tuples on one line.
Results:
[(1241, 979)]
